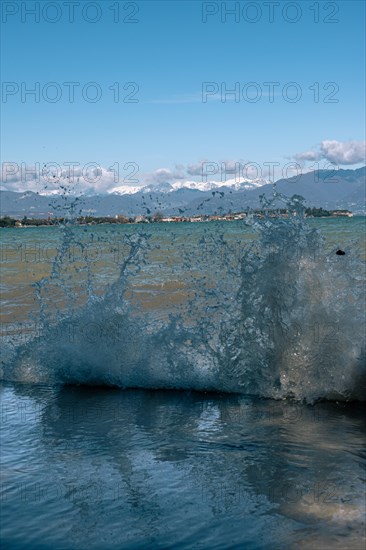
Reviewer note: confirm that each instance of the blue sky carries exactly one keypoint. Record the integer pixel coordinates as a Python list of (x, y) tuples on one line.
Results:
[(169, 52)]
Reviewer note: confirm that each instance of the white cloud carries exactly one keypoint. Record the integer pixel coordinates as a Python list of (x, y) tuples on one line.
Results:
[(336, 152), (350, 152), (56, 179), (163, 175), (196, 169)]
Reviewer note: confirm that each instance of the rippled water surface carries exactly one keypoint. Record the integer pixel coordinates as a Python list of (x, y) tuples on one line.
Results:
[(100, 468)]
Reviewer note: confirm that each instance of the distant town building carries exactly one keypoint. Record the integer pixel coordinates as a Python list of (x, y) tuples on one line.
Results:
[(342, 213)]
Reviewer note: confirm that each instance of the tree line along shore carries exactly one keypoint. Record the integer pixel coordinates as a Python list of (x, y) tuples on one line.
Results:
[(159, 217)]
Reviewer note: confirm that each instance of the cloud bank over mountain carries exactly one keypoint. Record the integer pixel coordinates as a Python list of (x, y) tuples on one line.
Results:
[(330, 189), (204, 175), (92, 179)]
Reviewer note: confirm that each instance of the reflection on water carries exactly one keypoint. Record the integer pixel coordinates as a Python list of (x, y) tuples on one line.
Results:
[(101, 468)]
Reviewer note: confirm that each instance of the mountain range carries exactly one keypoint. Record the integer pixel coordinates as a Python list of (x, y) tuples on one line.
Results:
[(239, 184), (340, 189)]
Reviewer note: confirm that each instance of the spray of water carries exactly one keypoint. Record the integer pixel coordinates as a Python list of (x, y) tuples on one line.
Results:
[(285, 321)]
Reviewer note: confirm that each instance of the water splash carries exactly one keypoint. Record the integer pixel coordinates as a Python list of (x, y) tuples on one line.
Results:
[(299, 328), (283, 321)]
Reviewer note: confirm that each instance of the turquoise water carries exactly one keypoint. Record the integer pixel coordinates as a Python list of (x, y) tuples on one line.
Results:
[(189, 386)]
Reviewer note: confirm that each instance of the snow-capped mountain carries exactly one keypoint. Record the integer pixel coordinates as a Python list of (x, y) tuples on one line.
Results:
[(157, 188), (125, 190), (239, 184), (235, 184)]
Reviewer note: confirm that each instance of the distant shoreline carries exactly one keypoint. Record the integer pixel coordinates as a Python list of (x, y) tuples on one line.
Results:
[(310, 213)]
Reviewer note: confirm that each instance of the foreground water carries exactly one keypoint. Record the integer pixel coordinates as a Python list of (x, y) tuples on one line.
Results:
[(263, 314), (101, 468)]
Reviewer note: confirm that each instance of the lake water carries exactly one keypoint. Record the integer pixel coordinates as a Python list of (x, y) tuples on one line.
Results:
[(184, 385)]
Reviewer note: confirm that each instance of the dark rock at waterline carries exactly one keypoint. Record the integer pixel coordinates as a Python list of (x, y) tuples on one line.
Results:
[(340, 253)]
